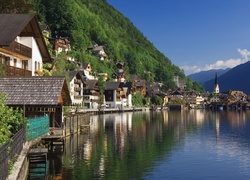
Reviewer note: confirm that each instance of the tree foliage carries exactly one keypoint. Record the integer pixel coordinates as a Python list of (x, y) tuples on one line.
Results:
[(15, 6), (10, 120), (89, 22), (138, 100), (157, 100)]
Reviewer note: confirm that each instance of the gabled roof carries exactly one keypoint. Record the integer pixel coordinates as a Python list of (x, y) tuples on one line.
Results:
[(72, 74), (126, 85), (35, 90), (140, 83), (23, 25), (112, 85), (44, 27), (90, 84)]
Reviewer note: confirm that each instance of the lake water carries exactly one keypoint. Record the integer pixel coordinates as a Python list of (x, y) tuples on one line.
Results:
[(188, 144)]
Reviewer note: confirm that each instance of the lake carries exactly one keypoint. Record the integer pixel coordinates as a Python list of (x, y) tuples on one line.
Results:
[(187, 144)]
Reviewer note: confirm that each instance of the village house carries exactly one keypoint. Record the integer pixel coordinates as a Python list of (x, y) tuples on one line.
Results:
[(60, 44), (22, 47), (98, 50), (120, 75), (180, 83), (139, 84), (91, 93), (114, 94), (76, 87), (37, 96), (85, 71), (45, 31)]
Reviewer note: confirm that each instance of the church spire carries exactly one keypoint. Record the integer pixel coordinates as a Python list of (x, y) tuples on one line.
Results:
[(216, 84)]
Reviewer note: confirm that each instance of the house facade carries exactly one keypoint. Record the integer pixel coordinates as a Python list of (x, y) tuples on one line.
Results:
[(76, 87), (22, 47)]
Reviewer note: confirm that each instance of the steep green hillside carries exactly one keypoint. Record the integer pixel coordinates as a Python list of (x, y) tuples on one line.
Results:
[(87, 22)]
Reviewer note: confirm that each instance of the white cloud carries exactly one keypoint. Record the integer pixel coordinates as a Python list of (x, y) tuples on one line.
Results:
[(220, 64)]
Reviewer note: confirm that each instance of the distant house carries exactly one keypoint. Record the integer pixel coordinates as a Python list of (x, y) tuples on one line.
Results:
[(60, 44), (120, 75), (45, 30), (112, 94), (118, 94), (76, 87), (215, 99), (22, 47), (91, 93), (180, 83), (98, 50), (37, 96), (85, 71)]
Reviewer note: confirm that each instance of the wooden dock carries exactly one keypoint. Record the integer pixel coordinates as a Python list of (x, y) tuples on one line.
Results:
[(37, 163), (54, 142)]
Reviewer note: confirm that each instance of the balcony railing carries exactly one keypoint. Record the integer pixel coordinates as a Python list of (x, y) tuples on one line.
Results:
[(14, 71), (19, 49), (78, 89)]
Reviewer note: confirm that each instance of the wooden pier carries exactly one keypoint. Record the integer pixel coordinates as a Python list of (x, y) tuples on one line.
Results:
[(54, 142), (37, 163)]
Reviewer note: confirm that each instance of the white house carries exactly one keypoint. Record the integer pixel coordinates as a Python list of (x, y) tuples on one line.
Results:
[(22, 47), (76, 88)]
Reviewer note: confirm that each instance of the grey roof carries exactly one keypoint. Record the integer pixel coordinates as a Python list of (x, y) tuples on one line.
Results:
[(141, 83), (72, 74), (13, 25), (112, 85), (35, 90), (90, 84)]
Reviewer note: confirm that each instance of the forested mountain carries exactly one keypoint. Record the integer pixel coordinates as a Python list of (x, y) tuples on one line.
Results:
[(89, 22), (235, 79), (204, 76)]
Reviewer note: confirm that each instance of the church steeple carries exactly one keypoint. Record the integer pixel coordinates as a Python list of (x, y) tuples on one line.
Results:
[(216, 84)]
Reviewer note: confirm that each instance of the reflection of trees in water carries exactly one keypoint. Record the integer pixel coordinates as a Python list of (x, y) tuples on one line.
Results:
[(124, 146)]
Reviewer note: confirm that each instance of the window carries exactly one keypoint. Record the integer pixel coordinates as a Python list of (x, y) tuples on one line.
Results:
[(25, 64), (35, 65), (39, 65)]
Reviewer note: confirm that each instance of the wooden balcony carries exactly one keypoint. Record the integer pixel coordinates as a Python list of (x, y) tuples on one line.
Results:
[(14, 71), (19, 49), (77, 88)]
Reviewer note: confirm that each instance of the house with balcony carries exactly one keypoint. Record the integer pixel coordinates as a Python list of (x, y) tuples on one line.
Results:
[(76, 87), (22, 47), (118, 94), (91, 93)]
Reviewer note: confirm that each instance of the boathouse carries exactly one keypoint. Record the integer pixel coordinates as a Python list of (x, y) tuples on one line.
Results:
[(37, 96)]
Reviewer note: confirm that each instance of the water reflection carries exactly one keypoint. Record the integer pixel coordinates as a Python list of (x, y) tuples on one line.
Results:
[(139, 145)]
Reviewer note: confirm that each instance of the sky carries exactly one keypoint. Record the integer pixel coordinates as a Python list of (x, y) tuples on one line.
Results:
[(196, 35)]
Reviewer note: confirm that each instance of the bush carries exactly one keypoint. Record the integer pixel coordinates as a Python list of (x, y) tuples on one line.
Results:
[(11, 120)]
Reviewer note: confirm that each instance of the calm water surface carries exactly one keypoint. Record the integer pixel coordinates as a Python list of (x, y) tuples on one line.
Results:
[(192, 144)]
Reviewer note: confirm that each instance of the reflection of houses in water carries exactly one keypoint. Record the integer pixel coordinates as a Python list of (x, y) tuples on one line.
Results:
[(118, 125), (199, 117), (87, 151), (165, 117), (217, 127), (237, 118)]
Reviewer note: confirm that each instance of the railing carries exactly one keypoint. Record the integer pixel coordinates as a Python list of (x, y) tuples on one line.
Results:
[(14, 71), (19, 49), (77, 81), (77, 97), (10, 151), (78, 89)]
